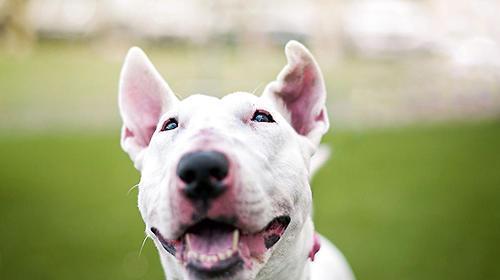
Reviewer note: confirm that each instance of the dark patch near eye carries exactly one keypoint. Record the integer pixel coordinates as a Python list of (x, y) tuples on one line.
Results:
[(262, 116), (270, 240), (169, 124), (170, 248), (284, 220)]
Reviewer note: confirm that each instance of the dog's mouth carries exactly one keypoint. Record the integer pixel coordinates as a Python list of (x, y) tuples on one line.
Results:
[(212, 249)]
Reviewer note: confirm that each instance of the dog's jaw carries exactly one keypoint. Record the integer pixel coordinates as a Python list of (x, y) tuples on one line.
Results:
[(295, 263), (212, 248)]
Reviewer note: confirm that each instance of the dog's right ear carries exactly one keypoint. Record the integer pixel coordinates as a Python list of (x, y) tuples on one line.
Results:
[(299, 93), (143, 97)]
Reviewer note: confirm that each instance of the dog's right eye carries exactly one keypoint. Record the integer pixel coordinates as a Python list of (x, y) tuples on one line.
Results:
[(169, 124), (262, 116)]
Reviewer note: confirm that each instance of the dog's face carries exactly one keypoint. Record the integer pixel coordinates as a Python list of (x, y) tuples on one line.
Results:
[(223, 181)]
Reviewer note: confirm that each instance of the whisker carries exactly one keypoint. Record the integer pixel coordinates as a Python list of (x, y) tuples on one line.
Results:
[(256, 88), (132, 188), (142, 245)]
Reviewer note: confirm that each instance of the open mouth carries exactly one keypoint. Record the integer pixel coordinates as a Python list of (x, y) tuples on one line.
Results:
[(211, 248)]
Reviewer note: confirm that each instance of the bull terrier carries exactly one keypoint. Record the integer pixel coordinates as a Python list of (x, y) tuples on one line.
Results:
[(224, 189)]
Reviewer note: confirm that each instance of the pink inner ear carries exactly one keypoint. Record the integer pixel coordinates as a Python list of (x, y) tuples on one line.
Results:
[(148, 113), (149, 134), (300, 95), (143, 142), (144, 109)]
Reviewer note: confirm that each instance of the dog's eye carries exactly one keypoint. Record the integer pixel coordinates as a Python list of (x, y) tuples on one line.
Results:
[(261, 116), (169, 124)]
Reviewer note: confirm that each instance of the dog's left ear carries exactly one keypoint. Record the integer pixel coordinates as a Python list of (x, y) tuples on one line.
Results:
[(299, 93), (143, 97)]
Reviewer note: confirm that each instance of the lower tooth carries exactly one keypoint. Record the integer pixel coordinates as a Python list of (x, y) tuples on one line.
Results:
[(236, 238), (188, 241), (229, 253), (192, 255), (221, 256)]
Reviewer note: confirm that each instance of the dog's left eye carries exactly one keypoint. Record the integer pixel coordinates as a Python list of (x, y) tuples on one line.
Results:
[(261, 116), (169, 124)]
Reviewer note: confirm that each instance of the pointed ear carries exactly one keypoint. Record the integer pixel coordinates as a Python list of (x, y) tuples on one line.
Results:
[(299, 93), (143, 97)]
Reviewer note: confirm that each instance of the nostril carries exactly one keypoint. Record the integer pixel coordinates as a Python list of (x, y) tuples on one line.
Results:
[(188, 176), (218, 173)]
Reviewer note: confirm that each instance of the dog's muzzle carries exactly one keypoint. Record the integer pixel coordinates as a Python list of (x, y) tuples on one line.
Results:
[(211, 240)]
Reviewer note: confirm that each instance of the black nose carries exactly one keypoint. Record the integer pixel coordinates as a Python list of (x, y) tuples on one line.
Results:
[(203, 172)]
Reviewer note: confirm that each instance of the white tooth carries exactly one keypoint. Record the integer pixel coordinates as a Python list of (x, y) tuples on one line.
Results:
[(192, 255), (188, 242), (236, 238), (213, 258), (221, 256), (229, 253), (203, 258)]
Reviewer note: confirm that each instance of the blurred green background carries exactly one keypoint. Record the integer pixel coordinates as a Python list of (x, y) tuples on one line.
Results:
[(412, 190), (406, 203)]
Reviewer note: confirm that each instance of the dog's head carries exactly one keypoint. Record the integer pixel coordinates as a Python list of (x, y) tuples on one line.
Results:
[(224, 188)]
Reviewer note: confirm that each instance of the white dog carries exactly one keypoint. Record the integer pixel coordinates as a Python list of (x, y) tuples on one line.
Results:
[(224, 189)]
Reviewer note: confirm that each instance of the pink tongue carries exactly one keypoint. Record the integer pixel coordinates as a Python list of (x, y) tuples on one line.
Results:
[(210, 241)]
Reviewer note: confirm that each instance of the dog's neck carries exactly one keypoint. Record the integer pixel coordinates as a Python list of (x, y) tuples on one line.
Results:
[(289, 261)]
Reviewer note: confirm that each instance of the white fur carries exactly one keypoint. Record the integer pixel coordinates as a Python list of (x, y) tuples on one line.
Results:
[(274, 159)]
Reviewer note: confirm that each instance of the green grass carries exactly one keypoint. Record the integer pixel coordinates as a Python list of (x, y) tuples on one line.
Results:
[(408, 203)]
